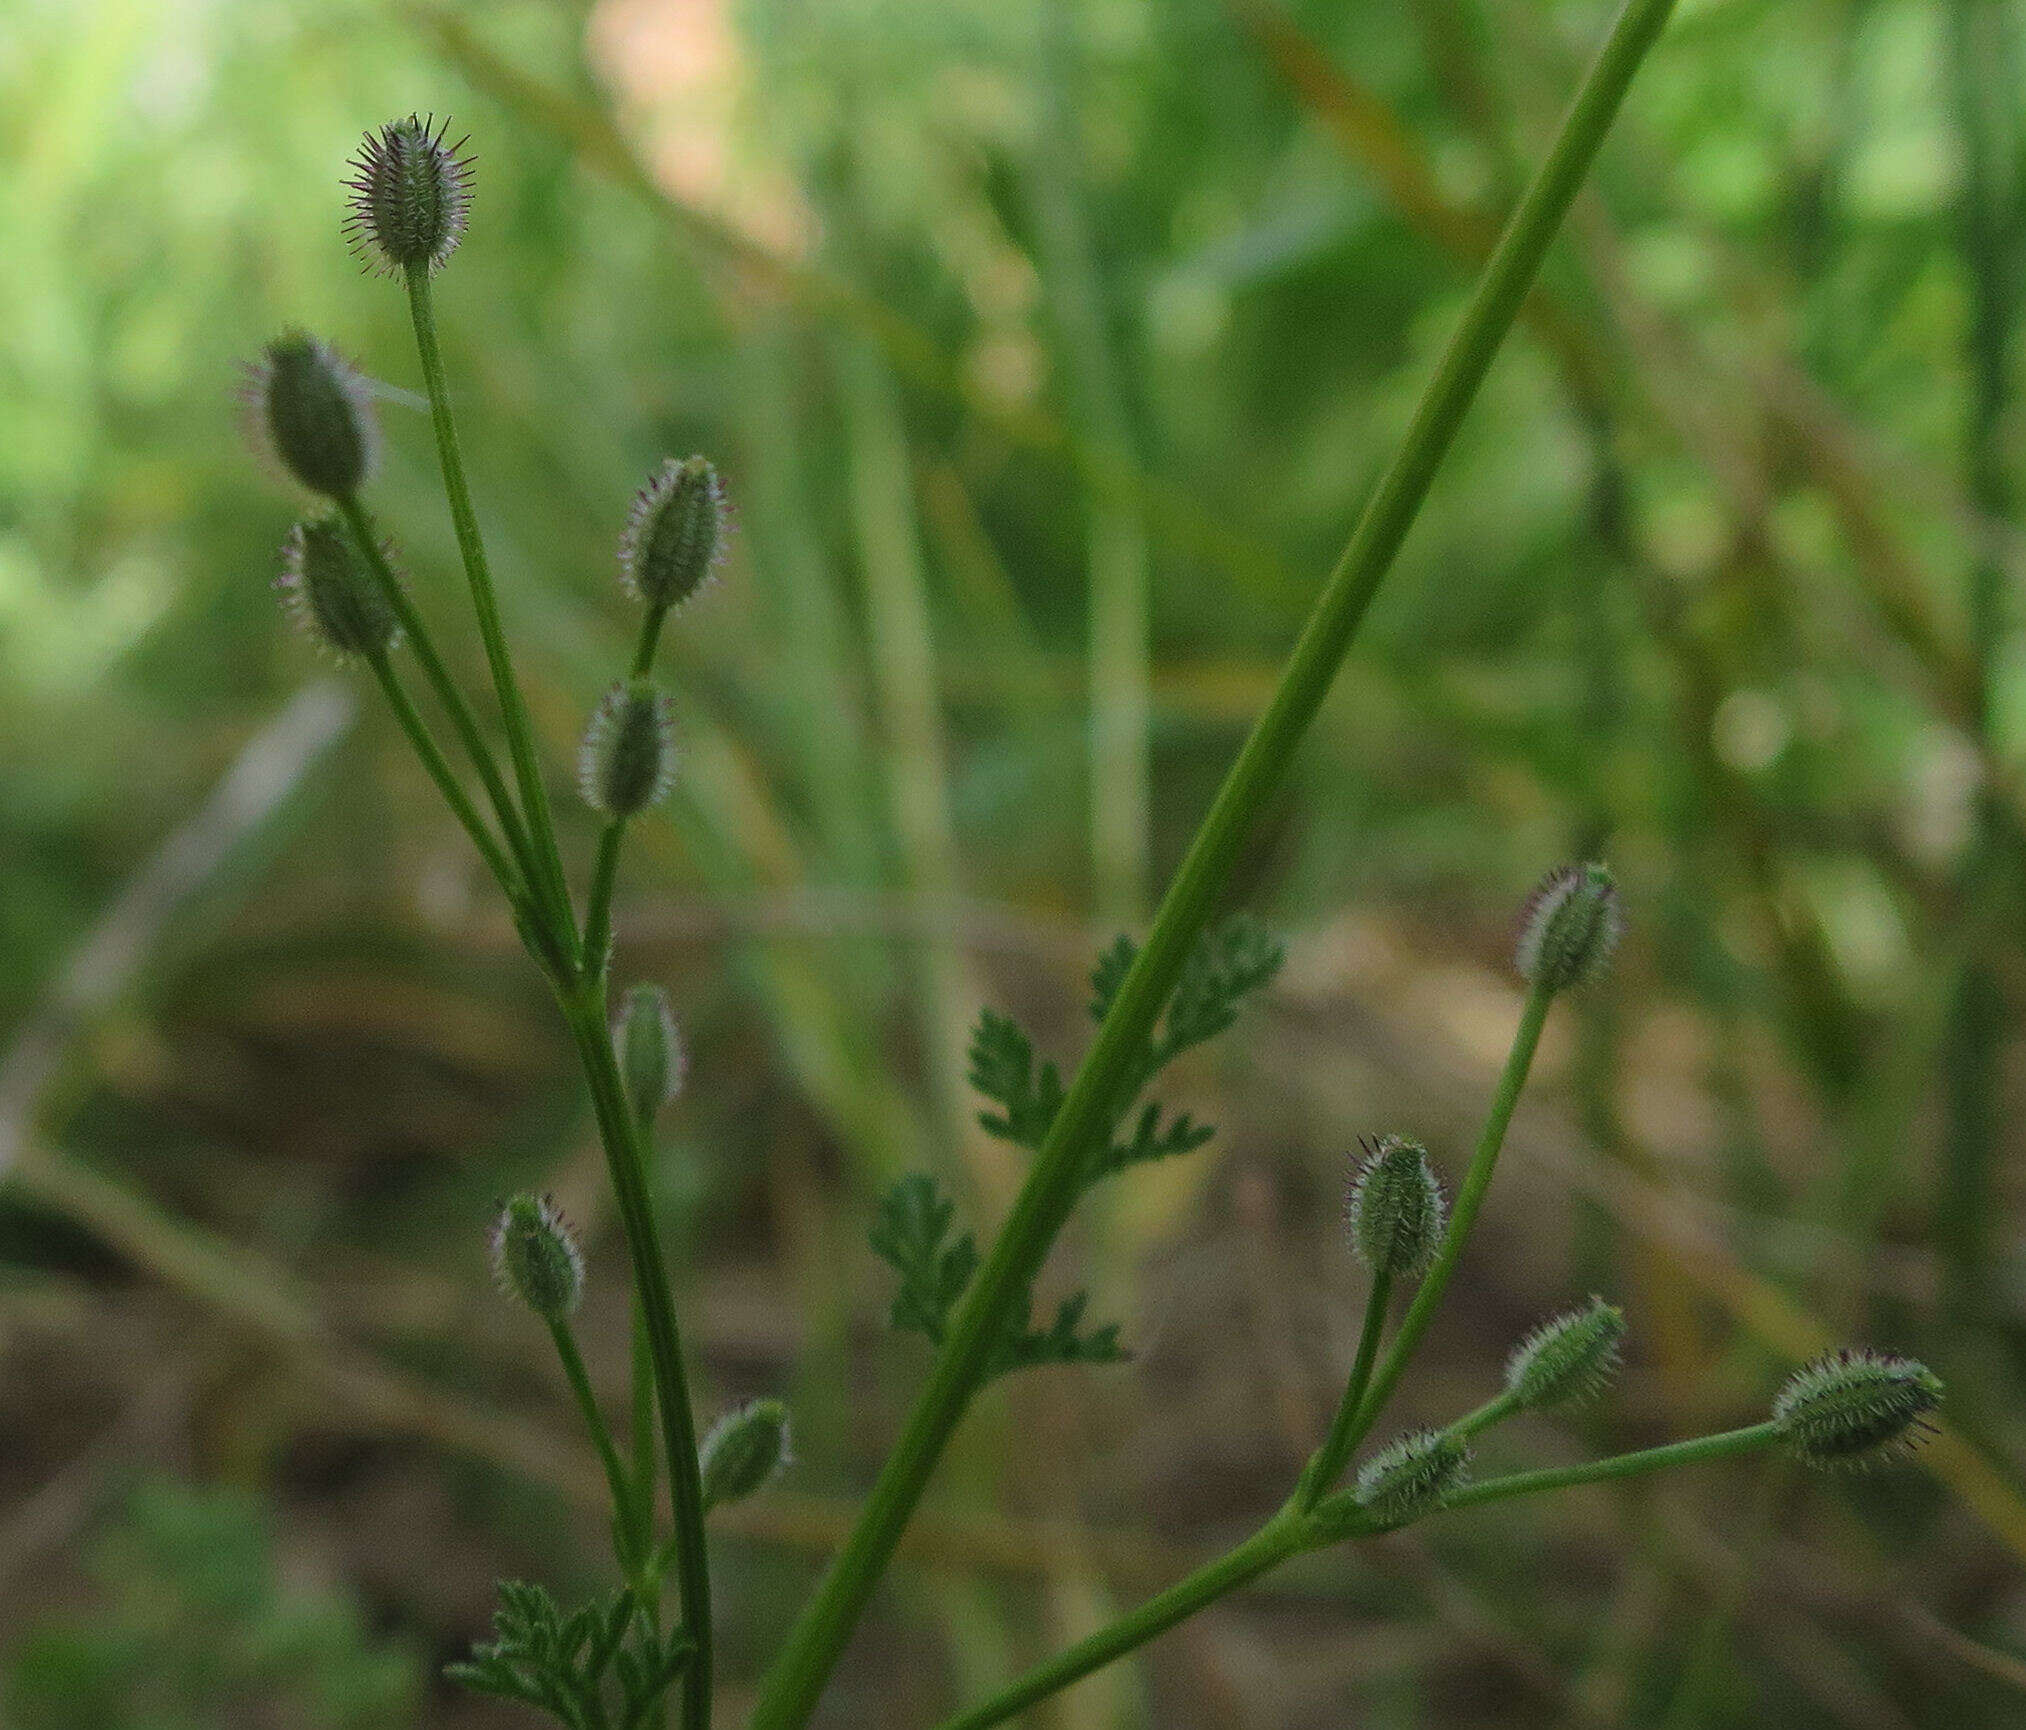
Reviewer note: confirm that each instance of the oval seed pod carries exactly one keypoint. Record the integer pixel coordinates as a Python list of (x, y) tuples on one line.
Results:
[(627, 761), (309, 414), (651, 1057), (1567, 1359), (1395, 1208), (327, 590), (1410, 1475), (743, 1451), (535, 1257), (1571, 924), (675, 535), (1854, 1408), (411, 193)]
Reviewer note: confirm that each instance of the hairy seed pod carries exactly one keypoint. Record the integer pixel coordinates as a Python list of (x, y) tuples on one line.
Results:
[(650, 1050), (743, 1451), (1395, 1208), (535, 1257), (309, 414), (1410, 1476), (411, 192), (1571, 924), (675, 535), (627, 761), (327, 590), (1567, 1359), (1855, 1408)]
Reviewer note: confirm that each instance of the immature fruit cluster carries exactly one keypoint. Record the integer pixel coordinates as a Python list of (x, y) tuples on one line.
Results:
[(743, 1451), (675, 535), (1410, 1475), (326, 588), (651, 1059), (1571, 924), (1395, 1208), (627, 760), (1567, 1359), (1854, 1408), (535, 1257), (308, 410), (410, 194)]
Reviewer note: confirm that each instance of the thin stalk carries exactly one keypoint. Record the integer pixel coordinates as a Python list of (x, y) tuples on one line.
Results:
[(792, 1687), (1469, 1199), (598, 909), (624, 1506), (423, 646), (1493, 1411), (625, 1159), (513, 710), (1725, 1445), (1271, 1545), (645, 1469), (426, 748), (1328, 1462)]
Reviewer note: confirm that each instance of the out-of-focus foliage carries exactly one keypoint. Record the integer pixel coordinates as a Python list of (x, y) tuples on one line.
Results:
[(997, 317)]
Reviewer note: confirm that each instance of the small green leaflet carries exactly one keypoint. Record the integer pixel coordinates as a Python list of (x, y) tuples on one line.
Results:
[(570, 1666)]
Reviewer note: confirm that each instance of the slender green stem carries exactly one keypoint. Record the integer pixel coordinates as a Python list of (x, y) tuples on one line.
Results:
[(1271, 1545), (1493, 1411), (423, 646), (1328, 1462), (624, 1508), (445, 777), (1468, 1200), (626, 1160), (650, 639), (598, 909), (548, 883), (645, 1470), (791, 1688), (1718, 1447)]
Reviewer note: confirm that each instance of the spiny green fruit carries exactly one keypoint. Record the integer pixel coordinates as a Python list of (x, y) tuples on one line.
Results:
[(1854, 1408), (309, 413), (743, 1451), (1395, 1208), (627, 761), (535, 1257), (1571, 924), (1410, 1475), (411, 193), (650, 1050), (327, 590), (1567, 1359), (675, 535)]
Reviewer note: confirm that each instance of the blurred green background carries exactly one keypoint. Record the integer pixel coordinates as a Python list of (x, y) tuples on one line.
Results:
[(1048, 350)]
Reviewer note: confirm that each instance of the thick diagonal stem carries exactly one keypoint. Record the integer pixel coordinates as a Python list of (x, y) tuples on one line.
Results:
[(796, 1681)]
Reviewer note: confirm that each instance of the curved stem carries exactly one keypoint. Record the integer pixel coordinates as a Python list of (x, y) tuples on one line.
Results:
[(598, 910), (625, 1159), (548, 868), (1468, 1200), (792, 1686), (1327, 1465), (426, 748), (625, 1506), (1271, 1545), (1718, 1447), (423, 646)]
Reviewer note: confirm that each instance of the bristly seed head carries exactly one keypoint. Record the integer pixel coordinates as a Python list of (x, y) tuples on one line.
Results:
[(1411, 1475), (1571, 924), (743, 1451), (1395, 1208), (1567, 1359), (309, 414), (627, 761), (650, 1050), (676, 533), (411, 193), (327, 590), (535, 1257), (1854, 1408)]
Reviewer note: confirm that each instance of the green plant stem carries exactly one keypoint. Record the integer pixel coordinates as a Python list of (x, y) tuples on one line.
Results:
[(548, 884), (423, 647), (426, 748), (598, 908), (1271, 1545), (625, 1158), (650, 639), (793, 1685), (1469, 1199), (1493, 1411), (1718, 1447), (1327, 1465), (645, 1470), (624, 1505)]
